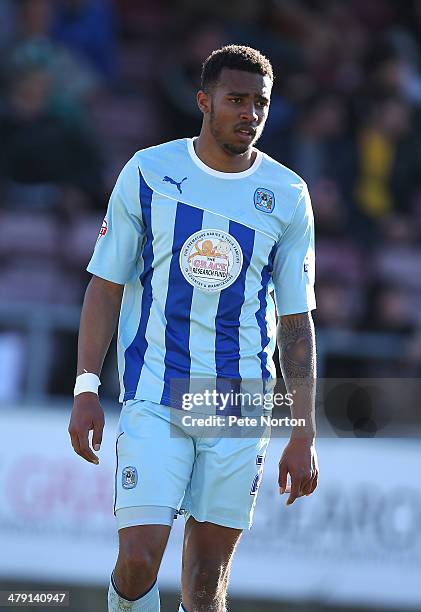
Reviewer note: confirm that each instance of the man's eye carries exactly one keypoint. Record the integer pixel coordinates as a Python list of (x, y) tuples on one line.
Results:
[(235, 100), (261, 103)]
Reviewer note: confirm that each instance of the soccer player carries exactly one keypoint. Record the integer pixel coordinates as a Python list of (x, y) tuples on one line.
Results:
[(198, 233)]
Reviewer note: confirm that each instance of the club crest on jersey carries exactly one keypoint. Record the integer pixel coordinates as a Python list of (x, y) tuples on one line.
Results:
[(129, 477), (264, 200), (211, 260)]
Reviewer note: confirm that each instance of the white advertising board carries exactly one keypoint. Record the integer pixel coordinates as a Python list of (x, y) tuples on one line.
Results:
[(356, 540)]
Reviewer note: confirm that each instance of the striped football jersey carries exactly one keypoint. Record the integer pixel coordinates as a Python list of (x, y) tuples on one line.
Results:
[(200, 253)]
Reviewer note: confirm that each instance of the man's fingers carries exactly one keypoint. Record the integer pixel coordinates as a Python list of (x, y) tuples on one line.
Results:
[(87, 416), (74, 439), (306, 486), (301, 464), (283, 477), (310, 485), (85, 450), (301, 485), (314, 484), (80, 445), (97, 434), (295, 490)]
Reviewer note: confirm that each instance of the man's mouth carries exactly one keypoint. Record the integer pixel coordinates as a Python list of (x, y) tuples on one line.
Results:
[(246, 133)]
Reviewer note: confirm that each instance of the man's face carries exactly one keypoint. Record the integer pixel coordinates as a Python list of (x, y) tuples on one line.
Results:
[(238, 108)]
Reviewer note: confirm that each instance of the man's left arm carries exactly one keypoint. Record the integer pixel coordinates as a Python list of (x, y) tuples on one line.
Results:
[(296, 343)]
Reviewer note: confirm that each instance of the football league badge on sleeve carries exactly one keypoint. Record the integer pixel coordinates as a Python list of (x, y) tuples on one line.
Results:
[(264, 200), (104, 228)]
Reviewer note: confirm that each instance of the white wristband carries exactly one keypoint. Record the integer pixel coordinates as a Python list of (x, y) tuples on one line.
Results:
[(86, 382)]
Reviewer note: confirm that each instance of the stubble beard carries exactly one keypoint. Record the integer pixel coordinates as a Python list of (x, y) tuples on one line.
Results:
[(228, 147)]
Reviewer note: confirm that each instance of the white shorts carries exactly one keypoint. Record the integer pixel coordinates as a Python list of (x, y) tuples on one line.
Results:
[(162, 469)]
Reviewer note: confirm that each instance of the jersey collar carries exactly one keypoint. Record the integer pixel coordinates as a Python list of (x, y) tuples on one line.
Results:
[(218, 173)]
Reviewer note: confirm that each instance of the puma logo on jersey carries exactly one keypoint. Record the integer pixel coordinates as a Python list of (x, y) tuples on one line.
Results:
[(168, 179)]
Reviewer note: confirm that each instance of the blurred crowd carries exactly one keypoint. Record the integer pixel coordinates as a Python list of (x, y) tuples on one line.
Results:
[(85, 83)]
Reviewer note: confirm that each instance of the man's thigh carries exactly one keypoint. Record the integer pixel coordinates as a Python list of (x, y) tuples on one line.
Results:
[(225, 481), (154, 464)]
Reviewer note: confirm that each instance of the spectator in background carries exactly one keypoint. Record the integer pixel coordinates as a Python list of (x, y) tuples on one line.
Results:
[(389, 309), (339, 255), (180, 76), (73, 81), (41, 146), (6, 22), (386, 162), (397, 255), (319, 147), (87, 28), (338, 306)]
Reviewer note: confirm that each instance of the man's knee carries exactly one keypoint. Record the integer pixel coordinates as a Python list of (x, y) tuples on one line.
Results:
[(140, 553), (138, 562)]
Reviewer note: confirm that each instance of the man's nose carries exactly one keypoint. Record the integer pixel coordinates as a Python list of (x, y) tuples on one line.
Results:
[(249, 113)]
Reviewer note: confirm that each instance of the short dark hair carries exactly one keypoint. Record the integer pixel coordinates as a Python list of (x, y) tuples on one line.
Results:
[(235, 57)]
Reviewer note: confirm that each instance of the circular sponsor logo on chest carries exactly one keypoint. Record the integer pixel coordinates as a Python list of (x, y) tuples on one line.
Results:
[(211, 260)]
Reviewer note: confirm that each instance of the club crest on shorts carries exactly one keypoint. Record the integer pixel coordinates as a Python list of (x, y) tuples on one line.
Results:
[(264, 200), (211, 260), (129, 477)]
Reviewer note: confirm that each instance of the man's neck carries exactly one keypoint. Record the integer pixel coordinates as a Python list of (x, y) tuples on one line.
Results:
[(211, 154)]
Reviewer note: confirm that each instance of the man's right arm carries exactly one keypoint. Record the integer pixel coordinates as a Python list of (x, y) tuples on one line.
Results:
[(101, 308)]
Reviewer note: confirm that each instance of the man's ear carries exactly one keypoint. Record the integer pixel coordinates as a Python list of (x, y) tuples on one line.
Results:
[(204, 101)]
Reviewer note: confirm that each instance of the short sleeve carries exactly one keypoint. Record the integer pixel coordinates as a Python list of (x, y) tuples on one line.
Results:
[(294, 262), (117, 250)]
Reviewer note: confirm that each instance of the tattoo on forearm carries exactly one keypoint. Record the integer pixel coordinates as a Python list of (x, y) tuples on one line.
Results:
[(298, 364), (297, 348)]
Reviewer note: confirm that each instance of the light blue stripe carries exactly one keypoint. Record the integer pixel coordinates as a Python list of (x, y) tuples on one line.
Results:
[(135, 354), (151, 381), (203, 312), (227, 321)]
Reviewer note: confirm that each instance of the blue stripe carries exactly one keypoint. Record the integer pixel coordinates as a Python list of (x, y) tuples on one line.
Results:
[(134, 355), (261, 313), (227, 321), (188, 220)]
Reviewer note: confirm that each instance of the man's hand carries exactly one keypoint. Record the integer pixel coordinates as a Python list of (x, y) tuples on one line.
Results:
[(299, 460), (87, 415)]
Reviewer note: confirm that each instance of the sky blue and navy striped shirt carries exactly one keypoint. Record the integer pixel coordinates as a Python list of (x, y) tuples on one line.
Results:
[(199, 252)]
